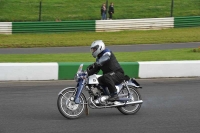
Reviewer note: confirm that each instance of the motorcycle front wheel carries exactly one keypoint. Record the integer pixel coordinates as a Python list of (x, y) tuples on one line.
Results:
[(133, 108), (67, 107)]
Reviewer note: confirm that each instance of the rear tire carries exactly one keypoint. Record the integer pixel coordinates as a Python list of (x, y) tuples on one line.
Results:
[(67, 107), (133, 108)]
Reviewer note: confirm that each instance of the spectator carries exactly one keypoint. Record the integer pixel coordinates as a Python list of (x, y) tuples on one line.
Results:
[(111, 10), (103, 11)]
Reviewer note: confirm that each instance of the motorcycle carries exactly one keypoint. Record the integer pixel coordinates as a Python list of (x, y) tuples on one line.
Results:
[(72, 102)]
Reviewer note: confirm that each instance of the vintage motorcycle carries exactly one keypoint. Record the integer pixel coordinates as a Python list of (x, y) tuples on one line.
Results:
[(72, 102)]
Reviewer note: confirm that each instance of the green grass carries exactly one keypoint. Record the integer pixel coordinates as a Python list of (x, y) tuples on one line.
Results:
[(28, 10), (110, 38), (155, 55)]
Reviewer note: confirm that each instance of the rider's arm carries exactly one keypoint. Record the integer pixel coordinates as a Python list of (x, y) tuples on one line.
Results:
[(92, 69), (105, 57)]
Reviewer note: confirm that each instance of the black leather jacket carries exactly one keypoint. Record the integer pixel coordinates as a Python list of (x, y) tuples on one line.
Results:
[(107, 62), (111, 9)]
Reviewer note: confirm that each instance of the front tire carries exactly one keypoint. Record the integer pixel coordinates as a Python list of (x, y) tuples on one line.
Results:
[(67, 107), (133, 108)]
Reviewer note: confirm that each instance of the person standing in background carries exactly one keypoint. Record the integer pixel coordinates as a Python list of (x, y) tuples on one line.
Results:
[(103, 11), (111, 10)]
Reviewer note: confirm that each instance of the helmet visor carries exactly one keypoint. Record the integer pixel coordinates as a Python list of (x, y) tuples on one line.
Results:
[(93, 49)]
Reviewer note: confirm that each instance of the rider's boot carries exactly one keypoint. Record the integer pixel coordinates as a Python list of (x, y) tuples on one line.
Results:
[(113, 97)]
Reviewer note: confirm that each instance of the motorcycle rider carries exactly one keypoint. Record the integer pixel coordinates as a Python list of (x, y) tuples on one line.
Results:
[(107, 62)]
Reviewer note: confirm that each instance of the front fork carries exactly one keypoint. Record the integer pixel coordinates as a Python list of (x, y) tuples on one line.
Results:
[(78, 91)]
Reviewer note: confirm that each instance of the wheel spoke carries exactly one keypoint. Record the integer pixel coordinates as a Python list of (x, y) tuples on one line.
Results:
[(65, 97), (68, 107), (130, 109)]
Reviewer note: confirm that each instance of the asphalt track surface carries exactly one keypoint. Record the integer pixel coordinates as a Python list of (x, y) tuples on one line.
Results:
[(170, 106), (86, 49)]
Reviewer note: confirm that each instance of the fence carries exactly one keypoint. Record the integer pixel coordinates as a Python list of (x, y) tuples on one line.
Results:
[(59, 10)]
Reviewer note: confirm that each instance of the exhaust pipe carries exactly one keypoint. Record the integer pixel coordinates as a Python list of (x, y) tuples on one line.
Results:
[(135, 102), (128, 103), (116, 105)]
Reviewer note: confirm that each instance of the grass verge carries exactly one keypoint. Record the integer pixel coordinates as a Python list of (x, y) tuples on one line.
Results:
[(28, 10), (175, 35), (155, 55)]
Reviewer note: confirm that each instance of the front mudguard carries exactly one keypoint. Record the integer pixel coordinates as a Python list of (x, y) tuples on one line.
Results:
[(76, 100), (61, 92)]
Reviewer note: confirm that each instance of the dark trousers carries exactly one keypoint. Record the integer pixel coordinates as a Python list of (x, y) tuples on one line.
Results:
[(110, 80), (110, 15)]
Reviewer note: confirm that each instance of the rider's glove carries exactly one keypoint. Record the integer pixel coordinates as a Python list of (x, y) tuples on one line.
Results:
[(85, 72), (97, 64)]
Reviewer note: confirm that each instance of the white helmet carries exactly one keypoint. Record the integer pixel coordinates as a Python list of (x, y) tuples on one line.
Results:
[(97, 47)]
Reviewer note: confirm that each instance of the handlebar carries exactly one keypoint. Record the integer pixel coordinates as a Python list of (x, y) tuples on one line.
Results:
[(83, 74)]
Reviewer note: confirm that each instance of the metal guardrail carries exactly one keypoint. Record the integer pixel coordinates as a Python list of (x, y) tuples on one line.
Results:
[(192, 21), (99, 25), (134, 24), (5, 27), (63, 26)]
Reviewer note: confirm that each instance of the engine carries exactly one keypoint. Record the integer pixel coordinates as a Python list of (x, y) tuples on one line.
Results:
[(95, 91), (101, 100)]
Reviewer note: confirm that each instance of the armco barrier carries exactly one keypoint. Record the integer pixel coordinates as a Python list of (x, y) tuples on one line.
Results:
[(99, 25), (62, 71), (191, 21), (43, 27), (134, 24), (5, 27)]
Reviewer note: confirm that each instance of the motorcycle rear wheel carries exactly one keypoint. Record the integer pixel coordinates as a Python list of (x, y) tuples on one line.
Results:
[(133, 108), (67, 107)]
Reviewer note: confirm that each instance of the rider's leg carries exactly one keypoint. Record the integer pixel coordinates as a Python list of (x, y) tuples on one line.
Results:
[(110, 79)]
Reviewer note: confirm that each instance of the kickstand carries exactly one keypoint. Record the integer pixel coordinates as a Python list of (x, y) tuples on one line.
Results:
[(86, 110)]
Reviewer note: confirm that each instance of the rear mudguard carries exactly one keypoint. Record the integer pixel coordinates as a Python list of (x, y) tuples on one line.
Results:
[(133, 82)]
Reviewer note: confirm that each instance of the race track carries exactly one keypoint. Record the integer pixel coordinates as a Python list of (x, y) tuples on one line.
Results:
[(86, 49), (170, 106)]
